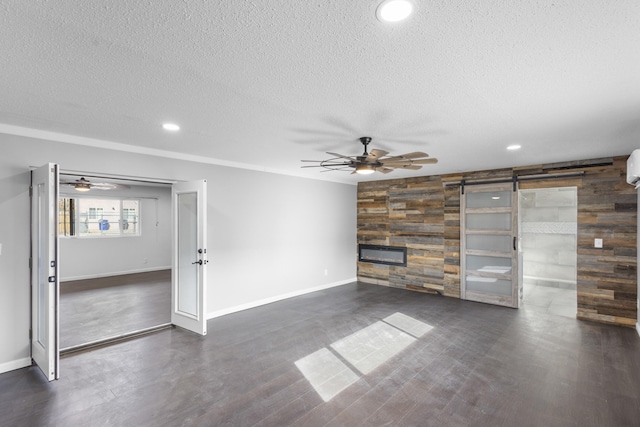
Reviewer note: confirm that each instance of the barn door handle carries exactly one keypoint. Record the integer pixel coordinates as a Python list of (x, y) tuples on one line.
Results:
[(197, 262), (515, 242)]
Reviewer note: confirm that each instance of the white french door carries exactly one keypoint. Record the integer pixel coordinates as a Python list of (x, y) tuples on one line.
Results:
[(45, 281), (189, 273), (489, 261)]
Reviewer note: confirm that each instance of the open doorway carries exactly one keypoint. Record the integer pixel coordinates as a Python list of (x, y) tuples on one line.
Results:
[(188, 248), (115, 259), (548, 232)]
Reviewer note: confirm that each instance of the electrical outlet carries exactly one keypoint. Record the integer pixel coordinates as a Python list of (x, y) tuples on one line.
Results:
[(597, 243)]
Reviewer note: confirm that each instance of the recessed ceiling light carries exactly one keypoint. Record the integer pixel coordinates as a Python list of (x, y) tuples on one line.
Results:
[(170, 126), (394, 10), (514, 147)]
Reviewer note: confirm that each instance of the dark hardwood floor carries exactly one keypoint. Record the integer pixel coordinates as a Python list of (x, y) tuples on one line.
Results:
[(479, 365), (96, 309)]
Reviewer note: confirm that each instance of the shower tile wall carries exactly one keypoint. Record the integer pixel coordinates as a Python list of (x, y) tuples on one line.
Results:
[(548, 230)]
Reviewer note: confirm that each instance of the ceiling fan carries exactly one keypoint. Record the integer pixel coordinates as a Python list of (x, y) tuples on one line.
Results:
[(84, 185), (374, 161)]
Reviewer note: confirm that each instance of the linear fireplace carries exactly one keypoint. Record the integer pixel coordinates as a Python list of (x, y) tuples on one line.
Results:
[(390, 255)]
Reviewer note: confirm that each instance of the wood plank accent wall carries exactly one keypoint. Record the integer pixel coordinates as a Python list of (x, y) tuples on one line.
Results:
[(423, 215), (607, 209), (407, 213)]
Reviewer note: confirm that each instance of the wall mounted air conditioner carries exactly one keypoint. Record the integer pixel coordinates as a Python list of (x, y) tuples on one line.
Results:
[(633, 168)]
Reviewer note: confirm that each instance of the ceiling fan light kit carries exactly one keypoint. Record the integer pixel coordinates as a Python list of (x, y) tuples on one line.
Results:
[(82, 185), (364, 169), (374, 161)]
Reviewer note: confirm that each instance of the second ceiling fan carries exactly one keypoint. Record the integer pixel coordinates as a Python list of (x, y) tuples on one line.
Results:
[(374, 161)]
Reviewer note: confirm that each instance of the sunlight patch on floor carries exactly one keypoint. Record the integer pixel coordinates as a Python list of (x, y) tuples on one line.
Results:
[(372, 346), (364, 350), (326, 373), (408, 324)]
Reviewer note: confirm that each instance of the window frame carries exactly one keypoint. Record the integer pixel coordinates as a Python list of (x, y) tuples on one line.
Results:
[(75, 203)]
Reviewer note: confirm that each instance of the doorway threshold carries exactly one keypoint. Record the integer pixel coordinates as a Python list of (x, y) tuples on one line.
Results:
[(113, 340)]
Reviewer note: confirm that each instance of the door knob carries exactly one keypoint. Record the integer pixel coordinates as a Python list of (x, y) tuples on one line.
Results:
[(197, 262)]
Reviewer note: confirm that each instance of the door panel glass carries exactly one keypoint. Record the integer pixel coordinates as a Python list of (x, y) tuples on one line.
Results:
[(41, 333), (187, 297), (489, 264), (490, 199), (489, 285), (488, 221), (489, 243)]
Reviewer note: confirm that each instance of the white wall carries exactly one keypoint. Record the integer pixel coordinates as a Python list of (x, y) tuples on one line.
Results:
[(82, 258), (270, 236)]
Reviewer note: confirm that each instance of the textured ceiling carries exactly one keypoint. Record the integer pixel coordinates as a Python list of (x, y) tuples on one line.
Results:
[(267, 83)]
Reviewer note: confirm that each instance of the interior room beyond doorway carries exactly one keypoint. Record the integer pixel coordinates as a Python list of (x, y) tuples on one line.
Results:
[(115, 259), (548, 231), (109, 307)]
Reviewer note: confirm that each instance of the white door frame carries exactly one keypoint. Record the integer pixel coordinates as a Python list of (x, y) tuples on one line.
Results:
[(55, 354)]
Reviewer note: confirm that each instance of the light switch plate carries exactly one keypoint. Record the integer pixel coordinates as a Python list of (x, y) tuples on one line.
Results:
[(597, 243)]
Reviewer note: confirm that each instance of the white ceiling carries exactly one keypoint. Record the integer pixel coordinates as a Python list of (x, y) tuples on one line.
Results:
[(267, 83)]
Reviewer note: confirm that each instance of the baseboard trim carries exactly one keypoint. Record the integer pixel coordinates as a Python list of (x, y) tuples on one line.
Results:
[(15, 364), (266, 301), (115, 273)]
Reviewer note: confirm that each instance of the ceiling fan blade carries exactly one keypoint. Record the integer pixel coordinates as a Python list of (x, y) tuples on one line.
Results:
[(408, 162), (376, 154), (429, 161), (384, 170), (327, 165), (340, 155), (412, 167), (108, 186), (408, 156), (396, 163)]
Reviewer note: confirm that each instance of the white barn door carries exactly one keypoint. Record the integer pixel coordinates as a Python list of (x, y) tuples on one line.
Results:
[(489, 261)]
